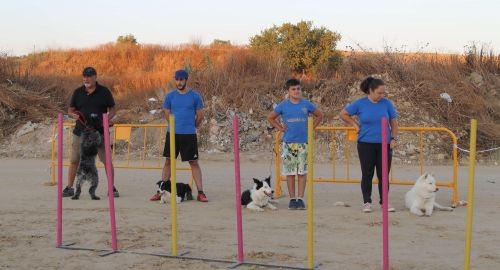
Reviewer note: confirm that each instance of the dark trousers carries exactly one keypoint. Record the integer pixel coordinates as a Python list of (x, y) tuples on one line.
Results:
[(370, 157)]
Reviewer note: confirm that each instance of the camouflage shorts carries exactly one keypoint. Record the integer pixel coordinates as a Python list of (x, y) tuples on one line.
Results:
[(294, 159)]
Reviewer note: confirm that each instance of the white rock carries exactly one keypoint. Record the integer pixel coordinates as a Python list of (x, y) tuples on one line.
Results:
[(445, 96)]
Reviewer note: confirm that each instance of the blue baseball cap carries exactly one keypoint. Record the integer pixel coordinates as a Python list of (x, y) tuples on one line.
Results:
[(89, 71), (181, 74)]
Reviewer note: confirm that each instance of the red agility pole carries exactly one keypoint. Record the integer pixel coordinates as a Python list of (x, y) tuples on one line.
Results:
[(239, 225), (385, 197), (59, 178), (111, 198)]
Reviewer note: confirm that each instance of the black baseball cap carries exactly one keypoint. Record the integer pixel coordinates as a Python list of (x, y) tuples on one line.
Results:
[(89, 71)]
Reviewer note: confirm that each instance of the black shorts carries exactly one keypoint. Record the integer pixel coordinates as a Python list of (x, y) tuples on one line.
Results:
[(185, 144)]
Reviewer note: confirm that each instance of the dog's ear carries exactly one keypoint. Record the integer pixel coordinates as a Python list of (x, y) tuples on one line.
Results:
[(158, 183), (256, 181), (268, 180)]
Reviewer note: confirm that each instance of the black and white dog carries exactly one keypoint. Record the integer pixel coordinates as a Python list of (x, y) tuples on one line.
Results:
[(91, 140), (259, 196), (184, 192)]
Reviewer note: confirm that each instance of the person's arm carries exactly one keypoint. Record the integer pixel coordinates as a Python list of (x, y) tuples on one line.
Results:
[(272, 118), (344, 115), (72, 113), (394, 132), (111, 114), (167, 113), (318, 117), (198, 118)]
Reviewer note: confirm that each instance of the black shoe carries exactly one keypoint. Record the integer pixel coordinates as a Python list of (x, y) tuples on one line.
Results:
[(292, 205), (68, 192), (301, 205)]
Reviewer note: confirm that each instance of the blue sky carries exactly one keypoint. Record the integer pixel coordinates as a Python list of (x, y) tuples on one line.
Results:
[(446, 25)]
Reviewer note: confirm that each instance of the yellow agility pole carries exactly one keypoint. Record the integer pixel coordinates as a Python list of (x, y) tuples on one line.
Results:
[(173, 181), (470, 193), (310, 140)]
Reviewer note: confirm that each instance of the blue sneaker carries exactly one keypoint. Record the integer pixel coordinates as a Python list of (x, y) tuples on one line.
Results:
[(292, 205), (301, 205)]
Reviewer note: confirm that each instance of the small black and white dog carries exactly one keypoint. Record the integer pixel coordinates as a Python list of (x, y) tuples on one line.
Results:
[(184, 192), (259, 196), (91, 140)]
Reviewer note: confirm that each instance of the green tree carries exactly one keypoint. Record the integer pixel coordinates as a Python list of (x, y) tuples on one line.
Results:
[(304, 47), (220, 42), (128, 39)]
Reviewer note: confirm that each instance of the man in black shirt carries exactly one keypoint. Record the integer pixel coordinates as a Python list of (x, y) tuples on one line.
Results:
[(90, 98)]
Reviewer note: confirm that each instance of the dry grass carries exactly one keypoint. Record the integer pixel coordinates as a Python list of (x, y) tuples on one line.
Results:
[(236, 77)]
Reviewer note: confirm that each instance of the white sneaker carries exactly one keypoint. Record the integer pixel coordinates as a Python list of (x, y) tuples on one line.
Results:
[(367, 207), (389, 208)]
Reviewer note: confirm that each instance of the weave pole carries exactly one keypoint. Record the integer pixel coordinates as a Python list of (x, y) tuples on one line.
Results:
[(310, 234), (385, 197), (59, 178), (470, 193), (109, 174), (173, 182), (237, 185)]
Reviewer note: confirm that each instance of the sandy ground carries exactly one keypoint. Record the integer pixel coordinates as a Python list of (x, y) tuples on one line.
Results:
[(345, 238)]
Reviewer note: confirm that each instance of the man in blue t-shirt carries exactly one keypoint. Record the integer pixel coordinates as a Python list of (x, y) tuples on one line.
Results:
[(186, 105), (294, 112)]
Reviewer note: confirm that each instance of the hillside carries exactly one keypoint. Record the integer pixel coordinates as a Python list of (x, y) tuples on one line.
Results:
[(239, 80)]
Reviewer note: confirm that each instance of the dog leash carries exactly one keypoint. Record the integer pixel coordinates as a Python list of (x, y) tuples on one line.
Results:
[(83, 121)]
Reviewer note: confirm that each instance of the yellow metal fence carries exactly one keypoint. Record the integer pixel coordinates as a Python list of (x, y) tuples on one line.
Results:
[(135, 146), (350, 135)]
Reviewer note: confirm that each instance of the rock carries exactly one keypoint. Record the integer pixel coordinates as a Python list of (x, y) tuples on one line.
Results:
[(343, 204), (476, 79), (27, 128)]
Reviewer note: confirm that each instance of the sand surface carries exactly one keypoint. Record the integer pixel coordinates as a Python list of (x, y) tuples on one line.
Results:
[(344, 237)]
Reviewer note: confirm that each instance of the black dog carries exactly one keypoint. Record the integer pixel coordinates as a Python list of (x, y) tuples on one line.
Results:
[(91, 140), (184, 191)]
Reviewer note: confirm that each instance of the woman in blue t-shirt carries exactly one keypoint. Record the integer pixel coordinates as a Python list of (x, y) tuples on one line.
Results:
[(370, 110)]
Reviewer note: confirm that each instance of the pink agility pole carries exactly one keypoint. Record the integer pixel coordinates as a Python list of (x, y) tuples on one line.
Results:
[(59, 178), (109, 174), (385, 197), (236, 150)]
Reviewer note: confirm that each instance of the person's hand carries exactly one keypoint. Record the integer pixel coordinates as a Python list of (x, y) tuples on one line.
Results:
[(284, 128), (393, 144), (356, 128), (74, 116)]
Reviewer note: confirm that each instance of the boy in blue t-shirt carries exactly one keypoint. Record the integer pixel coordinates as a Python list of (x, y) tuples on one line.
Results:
[(294, 112)]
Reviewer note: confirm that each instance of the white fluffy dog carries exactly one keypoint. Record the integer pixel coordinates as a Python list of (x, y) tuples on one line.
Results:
[(421, 199)]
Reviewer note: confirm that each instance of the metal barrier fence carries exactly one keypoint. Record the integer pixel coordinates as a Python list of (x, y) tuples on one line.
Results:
[(351, 136), (150, 146)]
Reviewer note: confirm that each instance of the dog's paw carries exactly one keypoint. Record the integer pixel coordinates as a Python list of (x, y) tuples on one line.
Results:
[(419, 213), (272, 207), (75, 197), (96, 198)]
